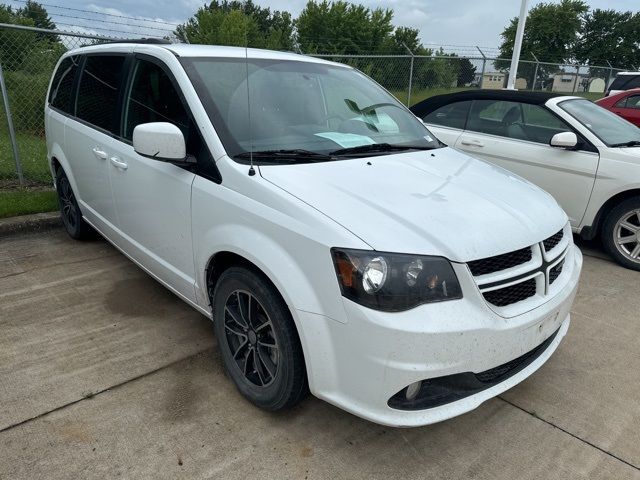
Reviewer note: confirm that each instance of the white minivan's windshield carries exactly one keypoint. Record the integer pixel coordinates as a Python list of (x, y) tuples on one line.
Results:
[(295, 111), (607, 126)]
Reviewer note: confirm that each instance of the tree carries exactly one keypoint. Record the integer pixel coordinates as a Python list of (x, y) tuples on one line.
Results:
[(38, 14), (551, 33), (343, 28), (238, 23), (14, 44), (609, 36), (466, 72), (41, 19), (404, 38)]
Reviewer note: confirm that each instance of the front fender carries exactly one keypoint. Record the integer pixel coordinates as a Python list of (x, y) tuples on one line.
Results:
[(278, 263), (290, 243)]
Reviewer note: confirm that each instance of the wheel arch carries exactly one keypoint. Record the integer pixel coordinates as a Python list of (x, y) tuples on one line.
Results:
[(590, 232), (57, 161), (222, 260), (233, 244)]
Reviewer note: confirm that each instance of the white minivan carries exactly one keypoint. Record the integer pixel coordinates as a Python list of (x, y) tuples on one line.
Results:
[(337, 245)]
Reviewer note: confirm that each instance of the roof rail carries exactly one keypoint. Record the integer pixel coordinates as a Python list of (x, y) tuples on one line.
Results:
[(148, 41)]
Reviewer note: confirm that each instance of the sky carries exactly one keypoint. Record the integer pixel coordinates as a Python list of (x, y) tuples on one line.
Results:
[(448, 23)]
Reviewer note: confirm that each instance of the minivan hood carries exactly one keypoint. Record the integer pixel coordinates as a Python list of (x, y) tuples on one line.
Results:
[(439, 202)]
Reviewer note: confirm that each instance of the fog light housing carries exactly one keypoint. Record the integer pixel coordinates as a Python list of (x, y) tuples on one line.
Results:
[(413, 390)]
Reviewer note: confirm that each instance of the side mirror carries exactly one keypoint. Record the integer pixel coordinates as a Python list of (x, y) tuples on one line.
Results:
[(161, 141), (564, 140)]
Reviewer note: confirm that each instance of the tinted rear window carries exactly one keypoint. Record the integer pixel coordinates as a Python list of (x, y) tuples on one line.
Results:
[(453, 115), (61, 95), (621, 81), (98, 91)]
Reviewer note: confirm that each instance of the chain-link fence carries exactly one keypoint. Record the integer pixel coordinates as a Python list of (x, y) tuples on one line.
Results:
[(28, 56), (414, 78)]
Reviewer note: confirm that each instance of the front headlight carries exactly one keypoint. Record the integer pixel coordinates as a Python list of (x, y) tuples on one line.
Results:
[(394, 282)]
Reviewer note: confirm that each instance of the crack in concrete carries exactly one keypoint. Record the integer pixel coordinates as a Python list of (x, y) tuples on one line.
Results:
[(95, 394), (587, 442), (168, 365), (52, 265)]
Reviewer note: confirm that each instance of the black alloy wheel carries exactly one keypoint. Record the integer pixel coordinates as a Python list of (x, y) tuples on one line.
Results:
[(258, 339), (70, 212), (250, 336)]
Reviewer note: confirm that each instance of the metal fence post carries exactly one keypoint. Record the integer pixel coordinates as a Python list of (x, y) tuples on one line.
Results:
[(484, 66), (606, 87), (575, 82), (410, 75), (12, 133), (535, 73)]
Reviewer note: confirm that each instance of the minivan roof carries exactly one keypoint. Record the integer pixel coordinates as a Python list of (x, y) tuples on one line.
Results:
[(187, 50)]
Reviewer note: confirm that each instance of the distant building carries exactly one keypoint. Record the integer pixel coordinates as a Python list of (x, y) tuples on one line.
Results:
[(567, 82), (494, 80), (521, 83), (498, 81)]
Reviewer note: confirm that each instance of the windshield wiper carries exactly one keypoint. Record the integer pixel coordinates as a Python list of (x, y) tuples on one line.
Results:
[(632, 143), (296, 155), (378, 147)]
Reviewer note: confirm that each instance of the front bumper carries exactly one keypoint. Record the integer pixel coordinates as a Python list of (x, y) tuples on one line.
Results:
[(361, 364)]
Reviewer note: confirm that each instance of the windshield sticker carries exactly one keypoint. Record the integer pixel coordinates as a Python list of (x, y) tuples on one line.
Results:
[(381, 121), (347, 140)]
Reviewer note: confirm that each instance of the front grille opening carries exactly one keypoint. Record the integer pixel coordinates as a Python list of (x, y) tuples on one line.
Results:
[(500, 262), (439, 391), (512, 294), (551, 242), (555, 272)]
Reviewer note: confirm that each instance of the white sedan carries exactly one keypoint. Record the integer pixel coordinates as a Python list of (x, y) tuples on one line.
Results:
[(585, 156)]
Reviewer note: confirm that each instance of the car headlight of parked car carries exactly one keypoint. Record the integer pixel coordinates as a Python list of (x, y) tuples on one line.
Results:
[(393, 282)]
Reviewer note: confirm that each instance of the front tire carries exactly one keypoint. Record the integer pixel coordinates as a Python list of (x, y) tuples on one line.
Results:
[(260, 347), (70, 212), (621, 233)]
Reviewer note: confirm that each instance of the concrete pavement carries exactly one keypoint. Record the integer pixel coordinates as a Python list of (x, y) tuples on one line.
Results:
[(105, 374)]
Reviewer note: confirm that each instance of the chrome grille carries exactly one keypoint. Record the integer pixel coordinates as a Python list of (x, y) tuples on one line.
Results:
[(500, 262)]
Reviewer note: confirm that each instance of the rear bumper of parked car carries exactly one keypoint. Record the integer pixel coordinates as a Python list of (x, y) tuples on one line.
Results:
[(359, 365)]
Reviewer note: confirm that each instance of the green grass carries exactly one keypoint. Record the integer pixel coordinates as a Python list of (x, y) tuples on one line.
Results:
[(33, 157), (25, 201)]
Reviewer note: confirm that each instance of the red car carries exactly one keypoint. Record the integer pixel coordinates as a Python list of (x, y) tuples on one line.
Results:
[(626, 104)]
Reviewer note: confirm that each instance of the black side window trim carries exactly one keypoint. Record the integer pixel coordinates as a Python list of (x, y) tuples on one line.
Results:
[(129, 83), (210, 171), (584, 145)]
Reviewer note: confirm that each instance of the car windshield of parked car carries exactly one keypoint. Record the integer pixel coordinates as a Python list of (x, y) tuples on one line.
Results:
[(284, 111), (607, 126)]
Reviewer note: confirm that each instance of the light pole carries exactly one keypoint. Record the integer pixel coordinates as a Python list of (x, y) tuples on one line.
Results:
[(513, 71)]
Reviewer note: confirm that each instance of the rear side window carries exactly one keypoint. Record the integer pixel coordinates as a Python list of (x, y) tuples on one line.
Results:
[(153, 98), (625, 82), (61, 94), (453, 115), (633, 83), (98, 91), (632, 101)]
